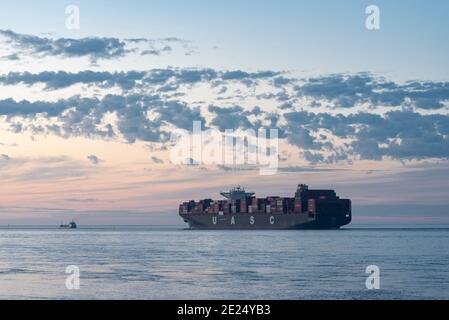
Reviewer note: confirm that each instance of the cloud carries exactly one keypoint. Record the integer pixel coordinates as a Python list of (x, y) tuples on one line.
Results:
[(94, 159), (10, 107), (87, 116), (168, 78), (402, 133), (157, 160), (11, 57), (94, 48), (239, 75), (4, 157), (62, 79), (229, 118), (179, 114), (156, 52), (152, 52), (346, 91), (302, 137), (282, 81), (337, 91), (396, 134)]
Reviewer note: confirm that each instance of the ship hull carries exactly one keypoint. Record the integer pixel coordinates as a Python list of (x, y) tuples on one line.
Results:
[(274, 221)]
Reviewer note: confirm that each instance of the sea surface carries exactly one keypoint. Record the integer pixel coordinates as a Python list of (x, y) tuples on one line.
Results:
[(174, 263)]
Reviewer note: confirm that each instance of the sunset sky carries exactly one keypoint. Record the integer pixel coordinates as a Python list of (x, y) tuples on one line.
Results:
[(86, 114)]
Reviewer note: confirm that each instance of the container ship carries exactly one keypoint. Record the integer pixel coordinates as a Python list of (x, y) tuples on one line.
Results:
[(308, 209)]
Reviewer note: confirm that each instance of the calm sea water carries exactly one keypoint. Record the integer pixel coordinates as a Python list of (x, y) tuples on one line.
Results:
[(145, 263)]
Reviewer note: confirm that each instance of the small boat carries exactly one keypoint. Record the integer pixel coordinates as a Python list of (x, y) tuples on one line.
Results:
[(71, 225)]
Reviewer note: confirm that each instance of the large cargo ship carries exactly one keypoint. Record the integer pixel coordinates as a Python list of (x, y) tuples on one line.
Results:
[(308, 209)]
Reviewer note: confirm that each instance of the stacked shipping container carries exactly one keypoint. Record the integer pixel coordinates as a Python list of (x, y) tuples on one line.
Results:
[(309, 202), (248, 205)]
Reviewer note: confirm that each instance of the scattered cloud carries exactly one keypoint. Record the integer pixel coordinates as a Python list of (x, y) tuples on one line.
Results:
[(229, 118), (168, 78), (336, 91), (94, 48), (396, 134), (346, 91), (157, 160), (411, 128), (11, 57), (94, 159)]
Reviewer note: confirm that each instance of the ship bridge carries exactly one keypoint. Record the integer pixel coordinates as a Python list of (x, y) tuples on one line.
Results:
[(237, 193)]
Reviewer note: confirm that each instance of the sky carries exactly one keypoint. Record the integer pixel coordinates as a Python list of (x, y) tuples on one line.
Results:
[(87, 114)]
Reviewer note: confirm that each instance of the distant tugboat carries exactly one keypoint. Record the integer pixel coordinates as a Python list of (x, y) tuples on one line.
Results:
[(71, 225)]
